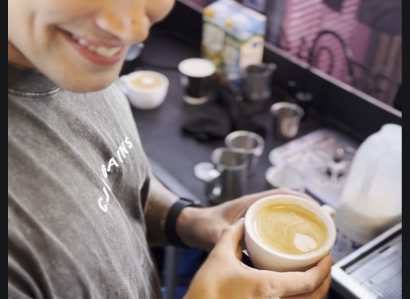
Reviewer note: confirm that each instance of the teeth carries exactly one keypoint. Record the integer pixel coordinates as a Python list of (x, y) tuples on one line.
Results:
[(102, 51), (114, 51), (83, 42)]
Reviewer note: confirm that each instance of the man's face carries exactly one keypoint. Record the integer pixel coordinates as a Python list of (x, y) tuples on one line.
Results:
[(79, 44)]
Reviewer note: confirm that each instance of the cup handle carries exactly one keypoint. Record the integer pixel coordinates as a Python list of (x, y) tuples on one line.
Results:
[(207, 173), (330, 210)]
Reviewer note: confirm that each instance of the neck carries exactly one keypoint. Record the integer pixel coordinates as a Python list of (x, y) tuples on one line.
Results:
[(16, 57)]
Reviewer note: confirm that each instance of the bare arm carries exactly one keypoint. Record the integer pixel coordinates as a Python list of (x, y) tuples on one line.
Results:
[(160, 200), (196, 227)]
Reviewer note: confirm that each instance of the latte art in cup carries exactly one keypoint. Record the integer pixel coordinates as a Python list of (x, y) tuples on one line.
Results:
[(290, 229), (288, 233), (147, 82), (145, 90)]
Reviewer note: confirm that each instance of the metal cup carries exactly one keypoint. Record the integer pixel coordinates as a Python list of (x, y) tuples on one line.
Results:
[(257, 81), (249, 143), (287, 118), (226, 178)]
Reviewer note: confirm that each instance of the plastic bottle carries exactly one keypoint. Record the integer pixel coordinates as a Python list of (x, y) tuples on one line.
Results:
[(371, 201)]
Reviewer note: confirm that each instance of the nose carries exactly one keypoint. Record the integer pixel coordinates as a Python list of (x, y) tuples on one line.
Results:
[(128, 23)]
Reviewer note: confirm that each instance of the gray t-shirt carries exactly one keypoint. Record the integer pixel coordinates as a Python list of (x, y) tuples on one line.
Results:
[(78, 181)]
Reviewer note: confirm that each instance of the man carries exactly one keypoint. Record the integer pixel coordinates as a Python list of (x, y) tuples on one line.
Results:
[(81, 201)]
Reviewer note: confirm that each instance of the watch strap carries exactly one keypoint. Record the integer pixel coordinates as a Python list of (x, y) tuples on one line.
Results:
[(171, 221)]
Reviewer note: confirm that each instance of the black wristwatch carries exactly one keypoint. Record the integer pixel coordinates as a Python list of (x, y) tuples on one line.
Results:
[(171, 221)]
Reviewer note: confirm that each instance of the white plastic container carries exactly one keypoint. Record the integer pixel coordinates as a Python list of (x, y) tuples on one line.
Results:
[(371, 201)]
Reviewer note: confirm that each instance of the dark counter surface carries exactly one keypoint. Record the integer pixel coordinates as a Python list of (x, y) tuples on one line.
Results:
[(160, 129)]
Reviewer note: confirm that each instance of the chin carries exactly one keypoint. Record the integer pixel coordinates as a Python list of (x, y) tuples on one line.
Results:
[(80, 87), (79, 78), (85, 83)]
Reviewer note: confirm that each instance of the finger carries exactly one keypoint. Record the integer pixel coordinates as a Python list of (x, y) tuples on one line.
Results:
[(239, 252), (229, 241), (323, 290), (296, 283), (320, 293)]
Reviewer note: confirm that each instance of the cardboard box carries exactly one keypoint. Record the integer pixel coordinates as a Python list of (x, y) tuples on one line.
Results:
[(214, 30), (244, 43), (233, 38)]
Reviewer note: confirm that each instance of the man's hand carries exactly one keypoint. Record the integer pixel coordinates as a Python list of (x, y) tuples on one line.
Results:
[(224, 276), (203, 227)]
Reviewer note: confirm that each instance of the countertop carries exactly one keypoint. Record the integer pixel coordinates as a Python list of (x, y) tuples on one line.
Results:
[(160, 129)]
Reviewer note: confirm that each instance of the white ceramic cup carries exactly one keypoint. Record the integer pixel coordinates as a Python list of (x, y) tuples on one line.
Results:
[(145, 98), (265, 258)]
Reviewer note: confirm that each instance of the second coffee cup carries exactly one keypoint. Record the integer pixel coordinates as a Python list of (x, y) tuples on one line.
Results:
[(145, 90), (196, 79)]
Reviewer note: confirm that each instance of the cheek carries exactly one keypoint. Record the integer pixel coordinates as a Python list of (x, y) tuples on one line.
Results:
[(66, 11), (158, 9), (50, 12)]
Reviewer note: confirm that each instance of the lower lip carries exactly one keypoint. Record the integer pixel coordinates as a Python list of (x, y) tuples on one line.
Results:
[(94, 57)]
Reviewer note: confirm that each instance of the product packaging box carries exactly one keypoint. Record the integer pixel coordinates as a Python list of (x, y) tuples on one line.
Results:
[(214, 30), (233, 38)]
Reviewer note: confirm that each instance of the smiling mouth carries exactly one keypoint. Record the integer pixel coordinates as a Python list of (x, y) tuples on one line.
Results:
[(103, 53)]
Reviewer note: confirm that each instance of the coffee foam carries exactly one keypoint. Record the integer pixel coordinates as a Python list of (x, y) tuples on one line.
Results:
[(147, 81), (289, 229), (197, 68)]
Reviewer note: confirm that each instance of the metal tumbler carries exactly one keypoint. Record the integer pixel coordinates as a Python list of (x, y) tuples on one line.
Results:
[(249, 143), (226, 177), (287, 117)]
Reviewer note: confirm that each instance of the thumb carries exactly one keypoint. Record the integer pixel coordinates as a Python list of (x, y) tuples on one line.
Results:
[(231, 236)]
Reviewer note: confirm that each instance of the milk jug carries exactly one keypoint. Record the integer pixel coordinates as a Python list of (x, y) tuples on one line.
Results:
[(371, 201)]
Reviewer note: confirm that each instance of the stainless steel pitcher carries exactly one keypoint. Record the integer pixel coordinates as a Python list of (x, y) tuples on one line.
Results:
[(226, 178)]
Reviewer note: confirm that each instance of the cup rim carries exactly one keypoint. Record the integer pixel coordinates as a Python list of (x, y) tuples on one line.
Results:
[(272, 67), (276, 107), (311, 207), (244, 165), (257, 151), (126, 80), (185, 61)]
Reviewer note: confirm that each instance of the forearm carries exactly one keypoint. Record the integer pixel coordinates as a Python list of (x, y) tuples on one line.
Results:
[(160, 200)]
